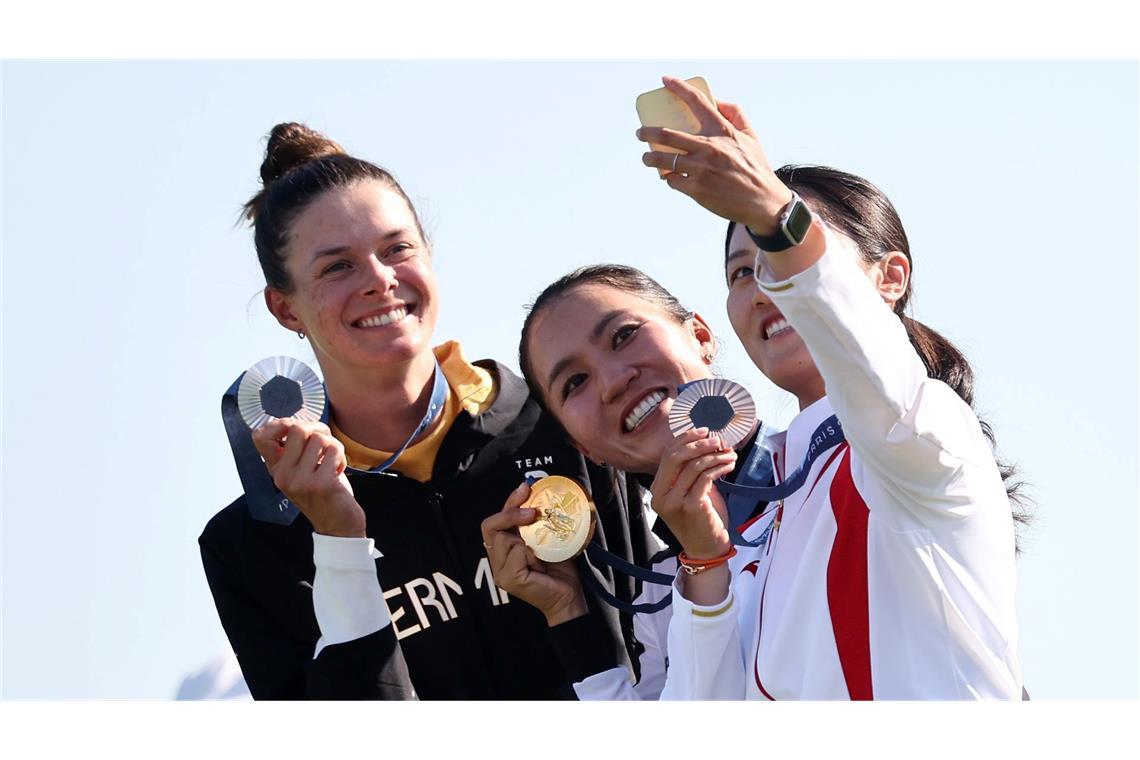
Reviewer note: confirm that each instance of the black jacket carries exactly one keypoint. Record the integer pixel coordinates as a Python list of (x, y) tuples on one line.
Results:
[(457, 635)]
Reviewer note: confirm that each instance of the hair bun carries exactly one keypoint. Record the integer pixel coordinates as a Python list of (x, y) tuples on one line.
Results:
[(292, 145)]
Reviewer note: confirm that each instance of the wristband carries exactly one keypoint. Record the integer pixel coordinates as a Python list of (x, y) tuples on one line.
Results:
[(694, 566)]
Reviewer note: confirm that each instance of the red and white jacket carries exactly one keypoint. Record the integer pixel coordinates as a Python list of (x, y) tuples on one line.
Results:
[(891, 574)]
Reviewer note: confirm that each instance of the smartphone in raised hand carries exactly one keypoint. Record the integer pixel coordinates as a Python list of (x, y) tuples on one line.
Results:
[(661, 108)]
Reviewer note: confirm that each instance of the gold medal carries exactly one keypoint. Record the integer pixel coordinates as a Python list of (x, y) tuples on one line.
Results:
[(565, 521)]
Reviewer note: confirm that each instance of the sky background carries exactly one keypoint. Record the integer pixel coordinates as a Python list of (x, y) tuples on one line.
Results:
[(131, 299)]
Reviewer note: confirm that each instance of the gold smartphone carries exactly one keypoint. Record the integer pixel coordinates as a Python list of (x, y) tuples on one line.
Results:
[(661, 108)]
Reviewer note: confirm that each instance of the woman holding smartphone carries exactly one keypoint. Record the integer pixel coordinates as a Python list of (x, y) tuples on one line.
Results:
[(890, 572), (395, 476)]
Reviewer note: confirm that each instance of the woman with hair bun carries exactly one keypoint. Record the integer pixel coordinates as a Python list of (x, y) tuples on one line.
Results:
[(380, 587), (889, 573)]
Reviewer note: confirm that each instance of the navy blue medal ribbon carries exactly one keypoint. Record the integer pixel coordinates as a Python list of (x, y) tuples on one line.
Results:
[(827, 436), (757, 471), (602, 557), (753, 485), (264, 501)]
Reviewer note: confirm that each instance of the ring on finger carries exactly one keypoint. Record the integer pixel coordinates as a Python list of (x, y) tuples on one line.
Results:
[(675, 157)]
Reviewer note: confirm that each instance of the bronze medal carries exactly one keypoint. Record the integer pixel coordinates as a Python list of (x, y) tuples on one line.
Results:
[(720, 405)]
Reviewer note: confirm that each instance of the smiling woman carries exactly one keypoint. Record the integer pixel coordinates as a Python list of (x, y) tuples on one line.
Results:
[(889, 572), (605, 349), (573, 371), (394, 477)]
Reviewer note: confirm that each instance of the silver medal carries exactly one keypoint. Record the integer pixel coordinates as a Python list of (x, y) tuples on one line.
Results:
[(278, 388)]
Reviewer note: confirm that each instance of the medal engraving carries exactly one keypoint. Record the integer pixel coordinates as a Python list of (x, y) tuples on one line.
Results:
[(278, 388), (565, 520), (722, 406)]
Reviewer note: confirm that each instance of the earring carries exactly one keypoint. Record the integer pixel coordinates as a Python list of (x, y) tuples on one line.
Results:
[(300, 335)]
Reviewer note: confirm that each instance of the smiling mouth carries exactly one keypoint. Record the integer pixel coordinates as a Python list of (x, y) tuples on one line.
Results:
[(642, 410), (776, 327), (387, 318)]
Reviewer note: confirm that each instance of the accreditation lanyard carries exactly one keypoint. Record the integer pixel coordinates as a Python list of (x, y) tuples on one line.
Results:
[(265, 502)]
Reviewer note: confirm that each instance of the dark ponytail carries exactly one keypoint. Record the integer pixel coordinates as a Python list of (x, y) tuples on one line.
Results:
[(854, 207)]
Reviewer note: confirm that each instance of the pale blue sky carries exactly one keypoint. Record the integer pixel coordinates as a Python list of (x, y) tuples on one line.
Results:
[(131, 299)]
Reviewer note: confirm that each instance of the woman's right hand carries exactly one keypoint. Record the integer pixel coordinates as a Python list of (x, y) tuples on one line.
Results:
[(686, 499), (307, 465), (554, 588)]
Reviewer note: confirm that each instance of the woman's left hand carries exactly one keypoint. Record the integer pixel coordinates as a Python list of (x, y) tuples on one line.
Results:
[(723, 168)]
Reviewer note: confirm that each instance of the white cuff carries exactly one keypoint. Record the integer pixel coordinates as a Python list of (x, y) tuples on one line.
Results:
[(808, 279), (347, 598), (700, 612), (609, 685)]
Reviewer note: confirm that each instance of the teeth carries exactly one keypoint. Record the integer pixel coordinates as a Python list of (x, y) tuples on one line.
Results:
[(642, 410), (384, 319), (775, 327)]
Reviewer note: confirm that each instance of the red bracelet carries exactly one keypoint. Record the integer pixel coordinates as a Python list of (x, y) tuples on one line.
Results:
[(694, 566)]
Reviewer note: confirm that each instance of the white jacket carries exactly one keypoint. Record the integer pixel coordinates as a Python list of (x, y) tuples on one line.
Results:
[(891, 575)]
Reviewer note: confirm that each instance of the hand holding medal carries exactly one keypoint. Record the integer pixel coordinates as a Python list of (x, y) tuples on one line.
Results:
[(282, 401), (540, 527), (709, 418)]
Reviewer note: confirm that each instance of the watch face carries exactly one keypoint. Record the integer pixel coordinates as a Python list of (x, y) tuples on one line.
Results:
[(798, 223)]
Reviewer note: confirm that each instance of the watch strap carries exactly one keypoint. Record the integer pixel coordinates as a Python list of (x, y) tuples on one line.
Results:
[(780, 240)]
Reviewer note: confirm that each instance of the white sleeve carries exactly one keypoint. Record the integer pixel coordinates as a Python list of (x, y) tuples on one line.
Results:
[(347, 598), (913, 429), (705, 659)]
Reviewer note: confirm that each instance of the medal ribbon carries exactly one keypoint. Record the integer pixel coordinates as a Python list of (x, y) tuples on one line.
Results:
[(757, 472), (602, 557), (741, 497), (265, 502), (827, 436)]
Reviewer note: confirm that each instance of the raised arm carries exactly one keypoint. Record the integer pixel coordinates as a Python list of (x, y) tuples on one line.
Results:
[(913, 429)]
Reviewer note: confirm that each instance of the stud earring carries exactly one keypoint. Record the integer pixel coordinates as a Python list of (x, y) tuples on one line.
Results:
[(300, 335)]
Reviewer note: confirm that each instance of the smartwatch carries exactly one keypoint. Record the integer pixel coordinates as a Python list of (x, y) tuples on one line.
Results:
[(795, 220)]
